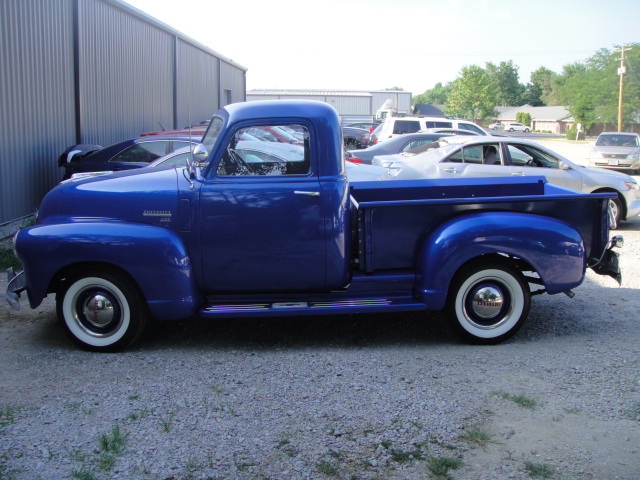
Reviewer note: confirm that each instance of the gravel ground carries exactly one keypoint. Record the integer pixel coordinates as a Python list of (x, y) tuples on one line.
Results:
[(392, 396)]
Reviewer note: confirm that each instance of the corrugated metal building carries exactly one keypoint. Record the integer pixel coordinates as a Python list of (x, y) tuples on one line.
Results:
[(93, 71), (350, 105)]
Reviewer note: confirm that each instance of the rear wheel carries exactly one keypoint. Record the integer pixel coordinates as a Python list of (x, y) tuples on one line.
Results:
[(101, 311), (488, 302)]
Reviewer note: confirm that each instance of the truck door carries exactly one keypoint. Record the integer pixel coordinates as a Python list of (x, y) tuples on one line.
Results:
[(262, 216)]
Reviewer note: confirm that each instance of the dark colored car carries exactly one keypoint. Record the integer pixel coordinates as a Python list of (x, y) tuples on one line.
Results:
[(371, 126), (355, 138), (401, 143), (133, 153)]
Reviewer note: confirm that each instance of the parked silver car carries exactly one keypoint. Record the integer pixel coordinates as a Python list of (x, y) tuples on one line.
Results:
[(618, 151), (460, 157)]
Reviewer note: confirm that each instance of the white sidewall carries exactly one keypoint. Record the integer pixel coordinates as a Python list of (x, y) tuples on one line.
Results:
[(68, 307), (517, 299)]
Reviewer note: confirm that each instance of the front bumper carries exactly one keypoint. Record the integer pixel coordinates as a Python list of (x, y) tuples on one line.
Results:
[(17, 284)]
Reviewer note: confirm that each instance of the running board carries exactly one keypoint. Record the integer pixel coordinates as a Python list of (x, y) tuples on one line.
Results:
[(320, 307)]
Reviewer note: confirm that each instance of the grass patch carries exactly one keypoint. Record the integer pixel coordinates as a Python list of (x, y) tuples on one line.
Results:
[(7, 416), (538, 470), (477, 435), (634, 412), (327, 468), (441, 466), (520, 400)]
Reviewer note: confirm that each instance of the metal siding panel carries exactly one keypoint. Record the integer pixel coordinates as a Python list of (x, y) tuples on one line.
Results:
[(232, 78), (36, 99), (126, 74), (350, 105), (197, 89)]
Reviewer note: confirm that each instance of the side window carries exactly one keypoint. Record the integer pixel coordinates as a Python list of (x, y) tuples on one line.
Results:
[(471, 127), (484, 154), (250, 154), (525, 156), (406, 126), (145, 152), (414, 144), (432, 124)]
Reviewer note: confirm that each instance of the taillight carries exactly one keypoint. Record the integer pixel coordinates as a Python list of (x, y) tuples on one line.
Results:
[(354, 160)]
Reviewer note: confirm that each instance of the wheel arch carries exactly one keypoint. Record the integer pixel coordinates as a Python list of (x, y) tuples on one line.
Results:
[(621, 199), (154, 258), (549, 247)]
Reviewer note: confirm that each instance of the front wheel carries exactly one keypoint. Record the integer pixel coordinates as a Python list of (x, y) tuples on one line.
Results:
[(615, 212), (101, 311), (488, 302)]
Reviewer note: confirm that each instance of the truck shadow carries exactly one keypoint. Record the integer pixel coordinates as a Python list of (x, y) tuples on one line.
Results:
[(343, 331)]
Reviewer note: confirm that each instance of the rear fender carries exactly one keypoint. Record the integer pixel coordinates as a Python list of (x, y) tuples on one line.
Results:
[(154, 257), (553, 248)]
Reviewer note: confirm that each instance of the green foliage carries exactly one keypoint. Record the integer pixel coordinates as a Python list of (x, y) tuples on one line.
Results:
[(472, 95), (523, 118), (538, 470), (571, 134), (504, 77), (440, 466), (436, 96)]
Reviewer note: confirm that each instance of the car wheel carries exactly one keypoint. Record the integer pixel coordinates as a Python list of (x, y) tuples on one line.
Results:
[(488, 302), (101, 311), (526, 130), (511, 129), (615, 212)]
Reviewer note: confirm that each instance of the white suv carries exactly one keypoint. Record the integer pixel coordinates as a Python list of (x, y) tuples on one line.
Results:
[(516, 127), (393, 126)]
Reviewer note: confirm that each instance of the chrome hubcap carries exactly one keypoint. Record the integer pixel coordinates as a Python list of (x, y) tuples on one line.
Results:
[(98, 311), (487, 302)]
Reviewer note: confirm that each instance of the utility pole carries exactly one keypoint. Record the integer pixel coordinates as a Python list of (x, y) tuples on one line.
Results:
[(621, 71)]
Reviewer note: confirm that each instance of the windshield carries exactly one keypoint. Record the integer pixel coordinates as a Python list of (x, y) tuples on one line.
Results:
[(213, 132), (617, 140)]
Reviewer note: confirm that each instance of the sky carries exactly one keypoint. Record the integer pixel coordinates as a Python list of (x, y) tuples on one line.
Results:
[(379, 44)]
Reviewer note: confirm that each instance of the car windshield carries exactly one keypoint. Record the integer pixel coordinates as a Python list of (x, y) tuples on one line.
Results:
[(213, 133), (617, 140)]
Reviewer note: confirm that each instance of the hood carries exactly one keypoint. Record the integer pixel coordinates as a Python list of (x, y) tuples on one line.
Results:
[(142, 196), (615, 150)]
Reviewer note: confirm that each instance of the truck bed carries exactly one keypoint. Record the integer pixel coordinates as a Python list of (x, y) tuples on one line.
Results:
[(394, 217)]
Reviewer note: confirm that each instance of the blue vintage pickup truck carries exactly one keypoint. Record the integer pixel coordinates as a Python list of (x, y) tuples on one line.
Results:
[(248, 232)]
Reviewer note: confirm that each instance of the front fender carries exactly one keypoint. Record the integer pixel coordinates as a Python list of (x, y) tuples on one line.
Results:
[(154, 257), (553, 248)]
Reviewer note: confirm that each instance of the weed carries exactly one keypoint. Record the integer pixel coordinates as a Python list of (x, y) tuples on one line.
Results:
[(6, 473), (440, 466), (327, 468), (520, 400), (134, 397), (115, 442), (217, 389), (285, 447), (83, 474), (538, 470), (166, 421), (192, 465), (477, 435), (572, 410), (7, 416)]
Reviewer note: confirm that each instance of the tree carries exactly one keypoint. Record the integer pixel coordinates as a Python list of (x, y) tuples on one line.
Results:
[(590, 89), (435, 96), (509, 90), (472, 95), (395, 89), (542, 88)]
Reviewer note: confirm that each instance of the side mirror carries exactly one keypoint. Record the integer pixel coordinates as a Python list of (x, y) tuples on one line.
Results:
[(565, 166), (200, 153)]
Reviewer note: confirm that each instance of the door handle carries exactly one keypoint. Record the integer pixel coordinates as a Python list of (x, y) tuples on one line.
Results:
[(517, 174), (311, 194), (450, 170)]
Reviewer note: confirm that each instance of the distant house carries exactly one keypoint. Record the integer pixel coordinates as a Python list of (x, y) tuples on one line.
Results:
[(555, 119)]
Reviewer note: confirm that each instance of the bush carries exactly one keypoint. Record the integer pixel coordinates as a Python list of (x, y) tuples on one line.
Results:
[(571, 134)]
